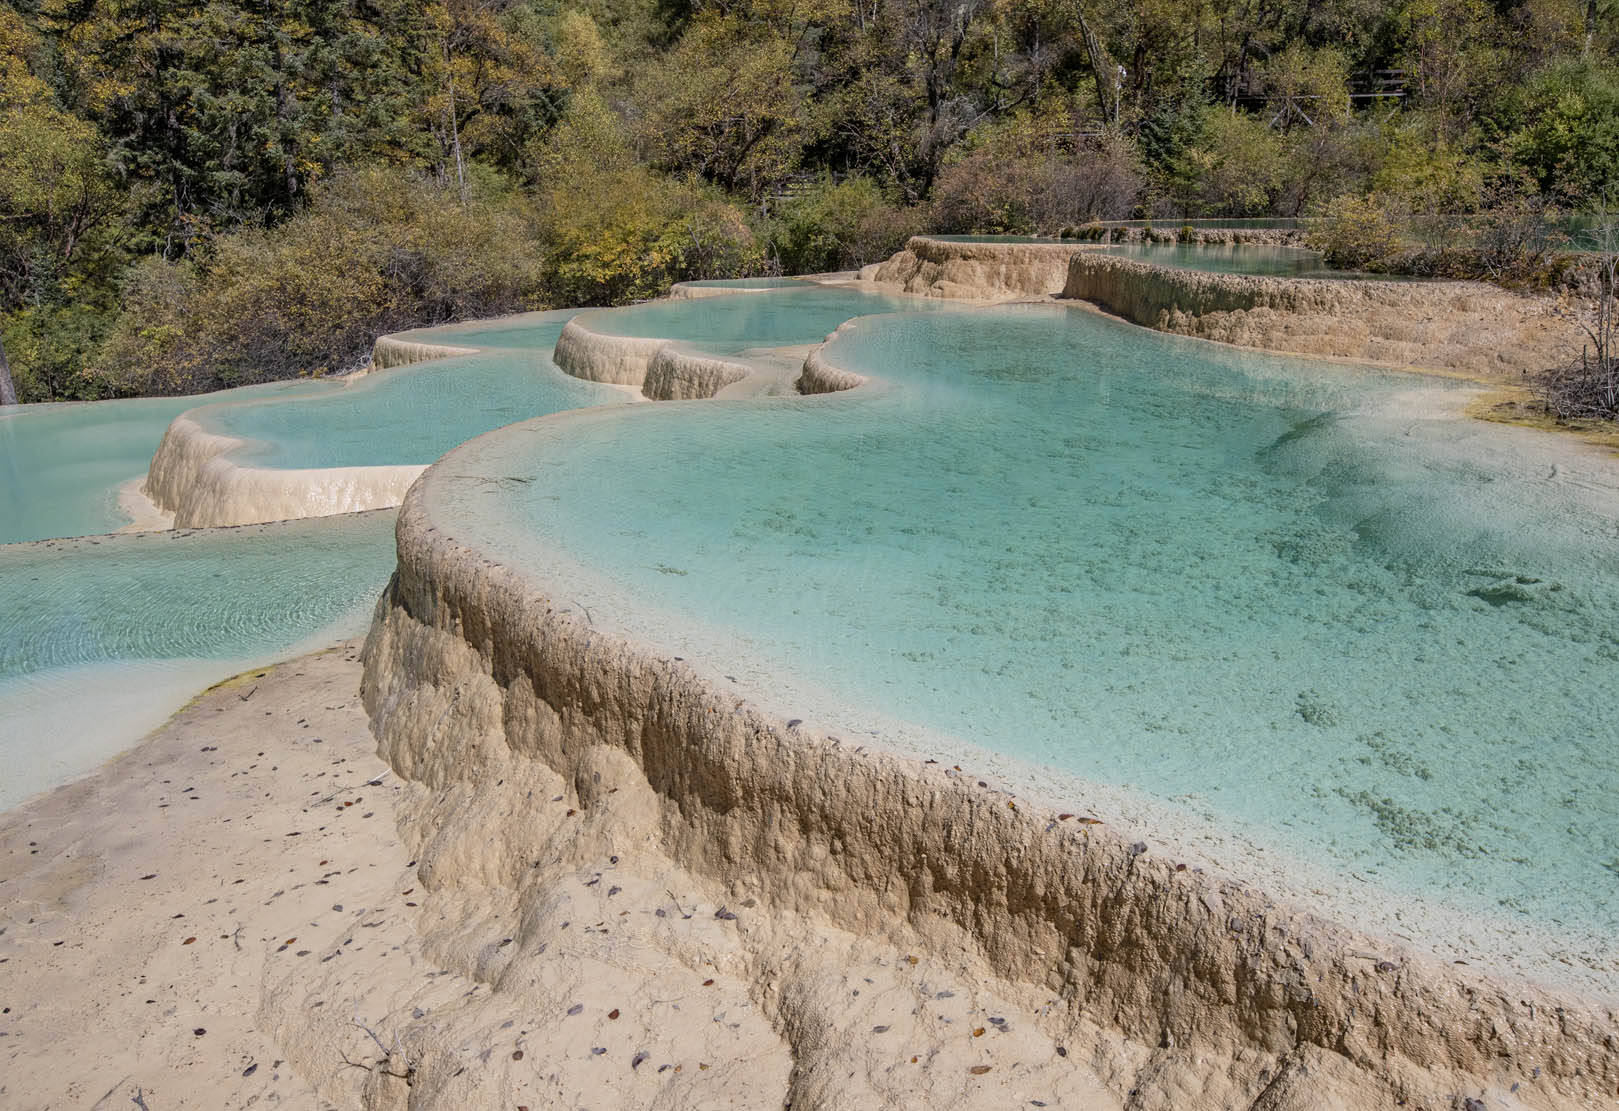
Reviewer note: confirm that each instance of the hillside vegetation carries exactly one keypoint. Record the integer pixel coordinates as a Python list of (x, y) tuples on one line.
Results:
[(198, 193)]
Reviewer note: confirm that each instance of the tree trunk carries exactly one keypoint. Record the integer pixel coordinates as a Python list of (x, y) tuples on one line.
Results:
[(1104, 69), (8, 392)]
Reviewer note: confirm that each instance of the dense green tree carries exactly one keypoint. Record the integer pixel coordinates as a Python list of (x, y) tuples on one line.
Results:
[(613, 146)]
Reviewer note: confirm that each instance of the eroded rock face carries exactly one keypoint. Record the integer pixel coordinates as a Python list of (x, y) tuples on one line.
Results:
[(977, 271), (1187, 991), (657, 368), (1469, 327), (391, 351)]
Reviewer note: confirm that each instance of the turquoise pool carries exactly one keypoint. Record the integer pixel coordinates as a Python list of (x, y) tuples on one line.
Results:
[(414, 414), (61, 465), (728, 325), (1271, 597), (106, 635)]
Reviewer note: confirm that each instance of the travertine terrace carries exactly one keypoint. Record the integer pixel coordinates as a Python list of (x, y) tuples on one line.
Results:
[(1468, 327), (1188, 990), (977, 271)]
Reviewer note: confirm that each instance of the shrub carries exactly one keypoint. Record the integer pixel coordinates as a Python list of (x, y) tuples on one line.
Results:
[(615, 230), (374, 253), (1355, 233), (1021, 176), (841, 226)]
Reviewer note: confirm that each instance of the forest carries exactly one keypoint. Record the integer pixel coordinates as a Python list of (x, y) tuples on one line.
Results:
[(206, 193)]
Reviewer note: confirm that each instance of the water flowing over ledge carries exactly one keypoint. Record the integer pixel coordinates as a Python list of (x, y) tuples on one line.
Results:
[(210, 469), (391, 351), (481, 678)]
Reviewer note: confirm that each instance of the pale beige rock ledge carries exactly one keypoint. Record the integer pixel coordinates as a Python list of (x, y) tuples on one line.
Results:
[(1468, 327), (1186, 991), (193, 483), (193, 478), (224, 916), (659, 369), (977, 271)]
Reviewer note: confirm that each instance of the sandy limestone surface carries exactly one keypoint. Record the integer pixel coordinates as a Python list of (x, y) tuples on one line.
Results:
[(224, 917)]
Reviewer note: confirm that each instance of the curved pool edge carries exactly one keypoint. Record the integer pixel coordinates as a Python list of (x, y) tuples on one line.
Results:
[(468, 655), (395, 351), (192, 477), (658, 369)]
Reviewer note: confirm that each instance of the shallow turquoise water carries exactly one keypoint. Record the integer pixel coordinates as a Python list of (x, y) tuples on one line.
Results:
[(414, 414), (1243, 258), (1263, 591), (747, 283), (61, 465), (727, 325), (999, 239), (105, 635)]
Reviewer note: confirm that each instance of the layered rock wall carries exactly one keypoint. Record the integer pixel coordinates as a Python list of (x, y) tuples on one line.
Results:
[(1468, 327), (820, 375), (976, 271), (658, 368), (392, 351)]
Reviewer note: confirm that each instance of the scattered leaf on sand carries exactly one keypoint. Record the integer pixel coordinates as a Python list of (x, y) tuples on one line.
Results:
[(979, 1070), (517, 1054), (188, 941), (613, 1014), (979, 1032)]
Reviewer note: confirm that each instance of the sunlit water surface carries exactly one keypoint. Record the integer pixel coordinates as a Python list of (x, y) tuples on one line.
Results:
[(1275, 597), (105, 636), (61, 465), (414, 414)]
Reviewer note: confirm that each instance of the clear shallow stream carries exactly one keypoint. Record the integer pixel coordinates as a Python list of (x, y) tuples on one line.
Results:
[(1276, 596)]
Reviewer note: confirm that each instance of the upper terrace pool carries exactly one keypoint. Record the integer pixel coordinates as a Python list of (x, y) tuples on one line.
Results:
[(61, 466), (1233, 258), (788, 317), (414, 414), (1296, 616)]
